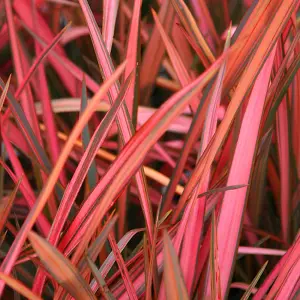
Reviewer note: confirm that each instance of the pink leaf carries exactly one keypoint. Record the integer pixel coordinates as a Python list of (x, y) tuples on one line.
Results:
[(231, 214)]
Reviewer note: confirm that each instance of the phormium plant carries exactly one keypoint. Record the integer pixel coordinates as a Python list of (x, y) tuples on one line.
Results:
[(149, 149)]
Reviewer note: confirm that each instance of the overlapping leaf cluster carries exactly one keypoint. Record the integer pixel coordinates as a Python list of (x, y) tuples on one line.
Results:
[(150, 149)]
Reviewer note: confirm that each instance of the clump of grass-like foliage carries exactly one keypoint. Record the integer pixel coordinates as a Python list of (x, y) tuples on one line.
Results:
[(149, 149)]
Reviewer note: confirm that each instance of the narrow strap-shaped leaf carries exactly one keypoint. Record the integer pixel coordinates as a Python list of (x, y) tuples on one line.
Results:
[(276, 81), (213, 261), (139, 281), (43, 54), (121, 264), (268, 282), (133, 57), (22, 122), (92, 172), (191, 27), (202, 12), (288, 275), (61, 105), (19, 287), (222, 189), (250, 32), (26, 129), (110, 260), (154, 52), (258, 179), (26, 98), (23, 10), (231, 214), (180, 69), (25, 187), (98, 243), (110, 9), (243, 250), (6, 205), (282, 133), (254, 282), (175, 287), (4, 92), (153, 273), (106, 293), (60, 268), (281, 90)]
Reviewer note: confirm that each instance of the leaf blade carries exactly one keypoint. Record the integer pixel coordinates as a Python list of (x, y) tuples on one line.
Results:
[(60, 268)]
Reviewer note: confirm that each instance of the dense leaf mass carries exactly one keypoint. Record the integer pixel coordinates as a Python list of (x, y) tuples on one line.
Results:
[(150, 149)]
